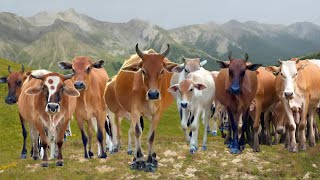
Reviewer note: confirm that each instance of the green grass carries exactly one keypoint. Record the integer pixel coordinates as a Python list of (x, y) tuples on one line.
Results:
[(175, 162)]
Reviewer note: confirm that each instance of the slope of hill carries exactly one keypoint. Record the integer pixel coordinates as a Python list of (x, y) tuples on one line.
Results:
[(48, 37)]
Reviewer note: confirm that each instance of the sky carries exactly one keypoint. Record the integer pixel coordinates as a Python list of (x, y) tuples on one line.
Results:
[(175, 13)]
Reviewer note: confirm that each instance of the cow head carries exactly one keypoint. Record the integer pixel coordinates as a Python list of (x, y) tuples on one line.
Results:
[(189, 65), (152, 67), (288, 71), (52, 89), (15, 81), (81, 67), (237, 69), (187, 88)]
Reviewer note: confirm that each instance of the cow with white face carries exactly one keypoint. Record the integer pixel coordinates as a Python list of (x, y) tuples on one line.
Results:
[(297, 87), (180, 73), (196, 93)]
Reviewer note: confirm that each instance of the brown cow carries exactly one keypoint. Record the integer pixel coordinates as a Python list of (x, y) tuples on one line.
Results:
[(141, 89), (48, 101), (264, 98), (236, 87), (90, 79)]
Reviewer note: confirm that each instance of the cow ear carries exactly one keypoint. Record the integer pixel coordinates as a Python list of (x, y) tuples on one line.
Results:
[(301, 67), (274, 69), (71, 91), (200, 86), (173, 88), (34, 90), (178, 68), (253, 67), (98, 64), (65, 65), (3, 79), (133, 67), (223, 64), (169, 66)]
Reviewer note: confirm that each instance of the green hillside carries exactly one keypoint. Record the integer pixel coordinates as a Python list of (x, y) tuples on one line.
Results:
[(311, 56), (175, 162)]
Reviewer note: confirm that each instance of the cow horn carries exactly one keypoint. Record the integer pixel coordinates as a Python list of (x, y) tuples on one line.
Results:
[(183, 59), (22, 68), (140, 53), (230, 55), (9, 69), (68, 76), (166, 52), (246, 56)]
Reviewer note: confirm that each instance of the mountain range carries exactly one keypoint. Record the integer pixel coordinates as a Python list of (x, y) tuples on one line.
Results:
[(44, 39)]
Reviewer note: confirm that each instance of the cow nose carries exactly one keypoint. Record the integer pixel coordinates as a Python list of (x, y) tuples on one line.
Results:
[(235, 90), (10, 100), (153, 94), (184, 104), (288, 94), (53, 107), (79, 85)]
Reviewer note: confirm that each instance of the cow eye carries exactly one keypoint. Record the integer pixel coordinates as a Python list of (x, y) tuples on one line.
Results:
[(186, 70), (191, 89), (143, 72), (88, 69), (73, 71), (162, 71), (19, 83)]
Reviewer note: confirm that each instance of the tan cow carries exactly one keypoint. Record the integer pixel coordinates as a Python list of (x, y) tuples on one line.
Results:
[(90, 79), (264, 98), (48, 102), (236, 86), (141, 89), (297, 87)]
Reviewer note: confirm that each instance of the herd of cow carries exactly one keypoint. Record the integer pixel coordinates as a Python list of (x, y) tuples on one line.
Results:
[(249, 100)]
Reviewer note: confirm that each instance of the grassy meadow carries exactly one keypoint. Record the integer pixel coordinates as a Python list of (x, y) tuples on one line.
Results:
[(175, 161)]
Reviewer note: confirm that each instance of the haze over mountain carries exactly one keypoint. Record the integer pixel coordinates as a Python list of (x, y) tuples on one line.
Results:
[(46, 38)]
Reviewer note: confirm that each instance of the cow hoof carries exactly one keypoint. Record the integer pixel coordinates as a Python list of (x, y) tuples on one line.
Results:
[(234, 151), (150, 167), (103, 156), (312, 144), (115, 150), (256, 149), (241, 147), (129, 152), (193, 149), (23, 156), (293, 149), (275, 142), (302, 147), (214, 133), (90, 154), (35, 158), (269, 143), (45, 164), (208, 131), (228, 145), (59, 163), (204, 148), (138, 165)]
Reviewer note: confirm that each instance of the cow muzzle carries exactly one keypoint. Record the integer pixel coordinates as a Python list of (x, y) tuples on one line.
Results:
[(80, 85), (53, 107), (288, 95), (184, 105), (153, 94), (11, 100), (235, 90)]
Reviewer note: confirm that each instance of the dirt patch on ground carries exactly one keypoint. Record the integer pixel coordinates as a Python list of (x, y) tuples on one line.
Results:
[(104, 169)]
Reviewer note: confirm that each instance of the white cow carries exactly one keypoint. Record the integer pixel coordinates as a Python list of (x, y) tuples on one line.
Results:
[(196, 95), (180, 73)]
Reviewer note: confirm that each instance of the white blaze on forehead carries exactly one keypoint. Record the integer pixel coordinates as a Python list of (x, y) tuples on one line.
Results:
[(288, 70), (52, 83)]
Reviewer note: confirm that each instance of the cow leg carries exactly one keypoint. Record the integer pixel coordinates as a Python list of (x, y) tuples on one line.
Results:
[(276, 135), (152, 162), (116, 129), (35, 139), (138, 161), (84, 137), (234, 146), (101, 118), (312, 140), (44, 141), (109, 133), (302, 127), (316, 131), (68, 131), (24, 134), (215, 124), (184, 123), (267, 116), (194, 129), (206, 116), (60, 136), (130, 131), (256, 126), (92, 125), (52, 138), (291, 127)]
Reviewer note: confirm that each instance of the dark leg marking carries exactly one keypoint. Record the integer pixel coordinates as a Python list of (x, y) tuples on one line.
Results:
[(24, 133), (151, 139), (84, 141), (141, 123), (100, 139)]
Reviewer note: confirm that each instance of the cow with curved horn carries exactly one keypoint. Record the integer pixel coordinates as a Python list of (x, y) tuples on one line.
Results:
[(236, 86), (141, 89), (48, 101), (181, 72)]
